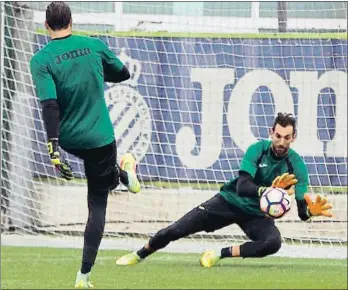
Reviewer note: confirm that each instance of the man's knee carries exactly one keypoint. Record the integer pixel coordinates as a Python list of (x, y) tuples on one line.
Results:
[(105, 180), (173, 232), (271, 246), (114, 179)]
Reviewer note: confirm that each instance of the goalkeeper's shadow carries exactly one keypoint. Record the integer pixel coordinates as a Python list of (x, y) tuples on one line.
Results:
[(253, 265)]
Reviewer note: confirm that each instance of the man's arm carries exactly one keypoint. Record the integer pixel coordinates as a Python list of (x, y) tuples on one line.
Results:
[(46, 91), (114, 70), (302, 210), (307, 207), (50, 115), (301, 173), (245, 184), (111, 76)]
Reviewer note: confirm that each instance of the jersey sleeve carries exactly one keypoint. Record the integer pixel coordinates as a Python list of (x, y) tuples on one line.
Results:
[(111, 63), (249, 161), (43, 81), (301, 174)]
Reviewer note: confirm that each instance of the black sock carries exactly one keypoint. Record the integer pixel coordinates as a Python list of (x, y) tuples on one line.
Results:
[(86, 268), (143, 252), (226, 252)]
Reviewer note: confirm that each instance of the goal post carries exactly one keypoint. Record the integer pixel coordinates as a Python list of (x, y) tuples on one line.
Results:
[(198, 96)]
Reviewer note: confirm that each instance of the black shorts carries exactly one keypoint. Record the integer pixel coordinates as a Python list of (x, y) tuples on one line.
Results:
[(100, 166)]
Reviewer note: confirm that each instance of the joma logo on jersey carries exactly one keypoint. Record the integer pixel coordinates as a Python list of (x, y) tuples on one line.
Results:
[(72, 54)]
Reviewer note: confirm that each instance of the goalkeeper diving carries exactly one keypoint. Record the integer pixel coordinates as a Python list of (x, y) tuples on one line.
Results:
[(69, 75), (266, 163)]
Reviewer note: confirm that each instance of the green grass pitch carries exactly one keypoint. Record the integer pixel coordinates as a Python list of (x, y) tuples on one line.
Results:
[(48, 268)]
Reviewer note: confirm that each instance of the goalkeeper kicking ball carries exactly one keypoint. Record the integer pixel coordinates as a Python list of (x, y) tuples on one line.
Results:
[(275, 202)]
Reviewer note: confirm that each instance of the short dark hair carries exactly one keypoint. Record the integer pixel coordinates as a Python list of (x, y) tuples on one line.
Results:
[(58, 15), (285, 119)]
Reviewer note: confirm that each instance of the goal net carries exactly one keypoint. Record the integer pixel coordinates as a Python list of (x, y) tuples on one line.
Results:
[(198, 96)]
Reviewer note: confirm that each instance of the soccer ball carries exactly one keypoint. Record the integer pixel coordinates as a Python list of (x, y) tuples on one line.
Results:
[(275, 202)]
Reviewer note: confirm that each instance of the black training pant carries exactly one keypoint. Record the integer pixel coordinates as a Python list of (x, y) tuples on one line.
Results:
[(215, 214), (102, 176)]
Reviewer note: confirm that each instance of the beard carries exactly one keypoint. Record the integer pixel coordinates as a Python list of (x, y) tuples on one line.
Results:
[(280, 150)]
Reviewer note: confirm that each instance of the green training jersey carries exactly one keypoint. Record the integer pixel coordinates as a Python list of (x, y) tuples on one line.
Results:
[(71, 70), (264, 168)]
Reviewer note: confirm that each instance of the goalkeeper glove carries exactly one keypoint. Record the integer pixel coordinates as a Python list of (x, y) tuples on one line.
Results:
[(318, 207), (63, 167), (285, 181)]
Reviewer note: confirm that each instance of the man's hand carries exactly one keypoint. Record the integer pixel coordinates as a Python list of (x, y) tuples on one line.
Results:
[(291, 190), (285, 181), (319, 206), (63, 167)]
